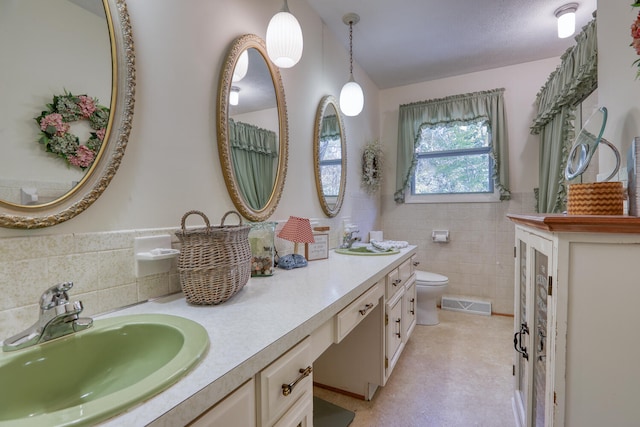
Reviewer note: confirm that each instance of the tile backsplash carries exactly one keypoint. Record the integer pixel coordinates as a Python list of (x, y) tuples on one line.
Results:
[(100, 265)]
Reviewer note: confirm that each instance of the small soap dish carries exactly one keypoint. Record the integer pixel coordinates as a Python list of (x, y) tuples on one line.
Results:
[(153, 254), (157, 254)]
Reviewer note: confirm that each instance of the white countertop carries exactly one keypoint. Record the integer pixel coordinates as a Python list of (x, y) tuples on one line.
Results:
[(250, 330)]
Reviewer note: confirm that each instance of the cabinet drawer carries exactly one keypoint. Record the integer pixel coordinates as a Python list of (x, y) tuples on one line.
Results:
[(237, 409), (355, 312), (285, 381), (393, 283), (405, 270), (300, 414)]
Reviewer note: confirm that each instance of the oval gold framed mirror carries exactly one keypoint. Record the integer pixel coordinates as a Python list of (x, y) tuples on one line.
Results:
[(252, 128), (68, 111), (330, 156)]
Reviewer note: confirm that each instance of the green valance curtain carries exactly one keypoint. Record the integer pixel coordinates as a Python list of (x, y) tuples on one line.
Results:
[(254, 152), (330, 127), (488, 105), (574, 79)]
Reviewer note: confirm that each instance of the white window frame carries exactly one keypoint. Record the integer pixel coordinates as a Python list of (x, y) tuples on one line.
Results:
[(485, 197)]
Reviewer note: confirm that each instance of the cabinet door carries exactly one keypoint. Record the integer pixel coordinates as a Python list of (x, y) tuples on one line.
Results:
[(394, 332), (532, 300), (409, 309)]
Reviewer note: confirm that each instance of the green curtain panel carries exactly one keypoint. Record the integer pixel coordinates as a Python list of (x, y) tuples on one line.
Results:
[(254, 152), (574, 79), (487, 105)]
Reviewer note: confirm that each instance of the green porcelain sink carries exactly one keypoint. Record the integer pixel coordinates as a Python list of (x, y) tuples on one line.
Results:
[(362, 250), (89, 376)]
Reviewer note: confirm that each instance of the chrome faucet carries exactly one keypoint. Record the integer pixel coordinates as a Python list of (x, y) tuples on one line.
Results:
[(58, 317), (348, 238)]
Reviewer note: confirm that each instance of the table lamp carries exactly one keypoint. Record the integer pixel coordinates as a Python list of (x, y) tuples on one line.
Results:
[(296, 230)]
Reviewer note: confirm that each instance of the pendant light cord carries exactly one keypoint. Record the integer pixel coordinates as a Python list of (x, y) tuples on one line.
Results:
[(351, 48)]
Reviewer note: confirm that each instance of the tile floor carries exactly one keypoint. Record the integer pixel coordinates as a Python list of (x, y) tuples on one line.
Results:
[(455, 374)]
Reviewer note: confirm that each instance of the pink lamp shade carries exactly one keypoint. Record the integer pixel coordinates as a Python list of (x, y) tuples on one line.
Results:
[(297, 230)]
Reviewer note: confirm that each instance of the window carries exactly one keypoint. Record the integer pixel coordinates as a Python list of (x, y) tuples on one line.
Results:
[(453, 159), (453, 149), (330, 166)]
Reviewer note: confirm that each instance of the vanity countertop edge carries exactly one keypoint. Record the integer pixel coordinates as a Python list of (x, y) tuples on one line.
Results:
[(253, 328)]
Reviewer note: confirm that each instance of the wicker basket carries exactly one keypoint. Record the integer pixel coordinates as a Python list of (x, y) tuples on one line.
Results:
[(215, 262), (598, 198)]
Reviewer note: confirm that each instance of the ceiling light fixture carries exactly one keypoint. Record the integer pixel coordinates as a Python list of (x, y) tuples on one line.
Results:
[(284, 38), (566, 20), (351, 95), (234, 95), (241, 68)]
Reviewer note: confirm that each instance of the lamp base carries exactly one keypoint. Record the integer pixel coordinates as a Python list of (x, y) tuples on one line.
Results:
[(291, 261)]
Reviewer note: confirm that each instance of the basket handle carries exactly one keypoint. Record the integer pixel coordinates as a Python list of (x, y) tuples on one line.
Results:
[(206, 220), (231, 212)]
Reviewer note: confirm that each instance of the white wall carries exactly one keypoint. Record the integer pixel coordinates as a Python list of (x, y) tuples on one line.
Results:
[(171, 164), (479, 259), (618, 88)]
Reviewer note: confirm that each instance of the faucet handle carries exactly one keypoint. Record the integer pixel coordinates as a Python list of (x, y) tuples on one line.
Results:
[(55, 295)]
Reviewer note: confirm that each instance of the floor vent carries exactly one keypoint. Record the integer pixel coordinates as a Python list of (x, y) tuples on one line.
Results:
[(466, 305)]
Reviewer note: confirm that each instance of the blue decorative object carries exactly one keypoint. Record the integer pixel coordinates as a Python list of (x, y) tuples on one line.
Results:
[(291, 261)]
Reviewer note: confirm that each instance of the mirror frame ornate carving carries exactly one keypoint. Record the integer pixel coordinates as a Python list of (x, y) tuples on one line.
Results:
[(239, 45), (324, 103), (102, 171)]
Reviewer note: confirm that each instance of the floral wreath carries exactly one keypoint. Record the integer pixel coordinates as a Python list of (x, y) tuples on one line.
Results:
[(635, 35), (372, 166), (54, 128)]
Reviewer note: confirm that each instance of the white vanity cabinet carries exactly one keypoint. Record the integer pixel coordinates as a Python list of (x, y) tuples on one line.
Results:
[(400, 315), (237, 409), (577, 288), (370, 335)]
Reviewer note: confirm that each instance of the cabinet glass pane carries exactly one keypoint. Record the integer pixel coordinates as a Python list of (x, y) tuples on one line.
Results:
[(522, 318), (539, 335)]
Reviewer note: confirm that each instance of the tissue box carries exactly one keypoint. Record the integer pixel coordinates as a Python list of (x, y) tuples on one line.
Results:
[(261, 240)]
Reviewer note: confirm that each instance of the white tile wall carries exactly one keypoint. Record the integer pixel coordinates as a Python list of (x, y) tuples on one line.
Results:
[(101, 266), (479, 258)]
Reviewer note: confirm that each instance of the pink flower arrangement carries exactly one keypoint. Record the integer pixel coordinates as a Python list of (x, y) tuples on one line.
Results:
[(54, 120), (54, 126), (84, 157), (87, 106)]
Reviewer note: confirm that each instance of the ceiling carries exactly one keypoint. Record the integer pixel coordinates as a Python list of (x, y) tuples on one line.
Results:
[(400, 42)]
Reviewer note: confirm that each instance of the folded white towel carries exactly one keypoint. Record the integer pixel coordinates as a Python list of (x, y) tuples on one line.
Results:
[(387, 245)]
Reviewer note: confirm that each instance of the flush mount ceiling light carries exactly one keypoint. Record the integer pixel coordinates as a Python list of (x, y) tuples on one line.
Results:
[(234, 95), (351, 95), (284, 39), (566, 19)]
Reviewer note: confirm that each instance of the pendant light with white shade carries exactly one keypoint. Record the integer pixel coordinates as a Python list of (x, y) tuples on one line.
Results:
[(351, 95), (284, 38)]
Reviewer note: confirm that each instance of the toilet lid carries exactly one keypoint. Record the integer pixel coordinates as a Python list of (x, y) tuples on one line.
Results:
[(426, 277)]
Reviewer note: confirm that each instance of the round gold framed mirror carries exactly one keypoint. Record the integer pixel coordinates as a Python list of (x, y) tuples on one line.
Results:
[(50, 169), (330, 156), (252, 128)]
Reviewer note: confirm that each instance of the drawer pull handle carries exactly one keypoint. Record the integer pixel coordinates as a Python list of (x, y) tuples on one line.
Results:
[(398, 333), (412, 310), (366, 308), (416, 263), (397, 282), (287, 389)]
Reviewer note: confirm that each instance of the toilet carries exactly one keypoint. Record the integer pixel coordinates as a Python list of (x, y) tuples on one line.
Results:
[(429, 287)]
